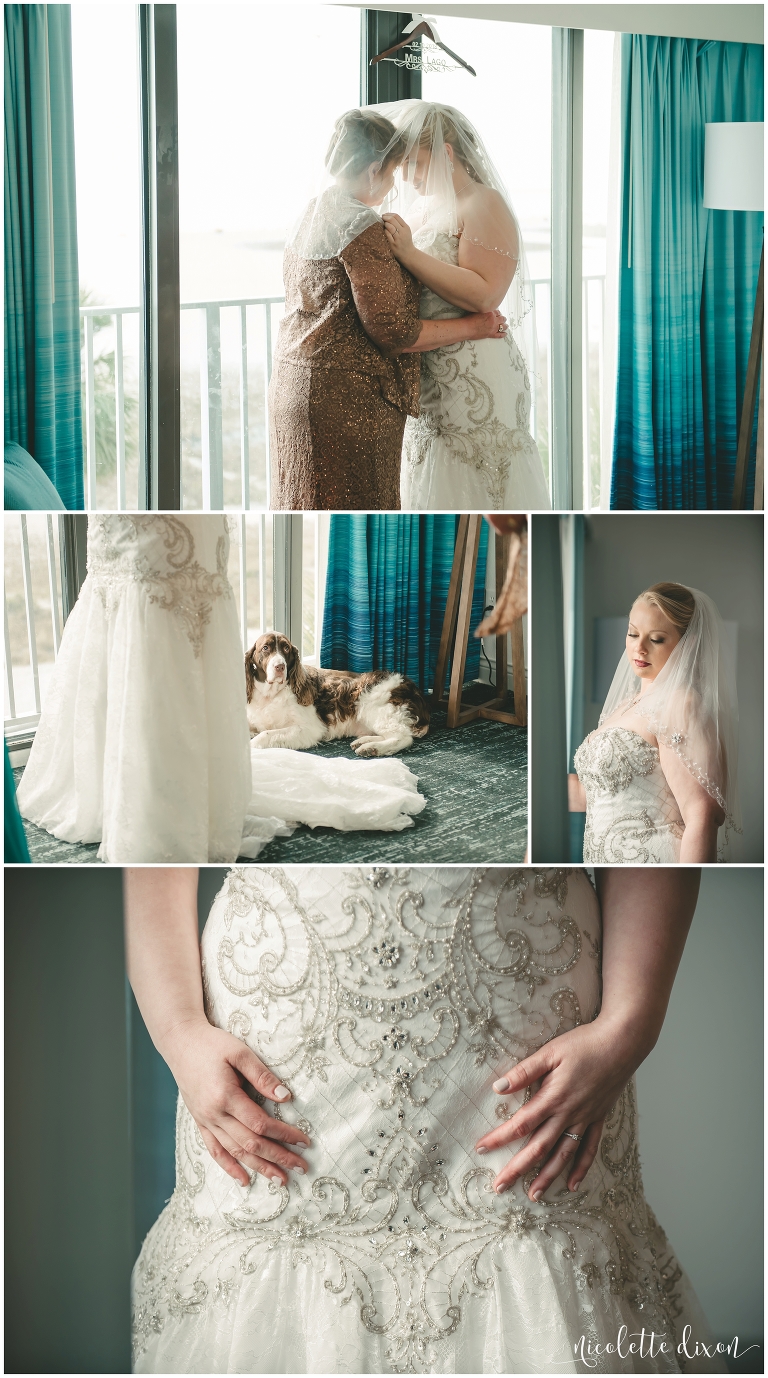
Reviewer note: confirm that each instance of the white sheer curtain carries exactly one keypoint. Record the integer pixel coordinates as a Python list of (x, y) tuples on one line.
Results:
[(611, 307)]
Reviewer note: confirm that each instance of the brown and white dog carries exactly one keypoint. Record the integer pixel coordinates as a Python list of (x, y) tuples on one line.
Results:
[(293, 705)]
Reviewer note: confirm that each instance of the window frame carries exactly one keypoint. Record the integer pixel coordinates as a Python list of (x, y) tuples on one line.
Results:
[(160, 459)]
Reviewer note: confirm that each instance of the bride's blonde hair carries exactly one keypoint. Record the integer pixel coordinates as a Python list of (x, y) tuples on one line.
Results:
[(442, 122), (675, 601)]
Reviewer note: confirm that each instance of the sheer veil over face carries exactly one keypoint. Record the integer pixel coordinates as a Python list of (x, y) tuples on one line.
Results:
[(691, 707), (433, 139)]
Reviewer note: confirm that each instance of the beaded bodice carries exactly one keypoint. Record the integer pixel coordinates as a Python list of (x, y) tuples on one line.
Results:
[(632, 814)]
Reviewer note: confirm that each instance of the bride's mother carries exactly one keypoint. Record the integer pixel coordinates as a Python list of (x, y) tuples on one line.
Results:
[(345, 372)]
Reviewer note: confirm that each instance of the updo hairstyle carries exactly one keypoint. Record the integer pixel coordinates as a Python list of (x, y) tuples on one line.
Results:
[(359, 138), (462, 141), (675, 601)]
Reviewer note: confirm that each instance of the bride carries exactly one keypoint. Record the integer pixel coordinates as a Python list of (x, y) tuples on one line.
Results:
[(407, 1129), (471, 446), (657, 779), (143, 744)]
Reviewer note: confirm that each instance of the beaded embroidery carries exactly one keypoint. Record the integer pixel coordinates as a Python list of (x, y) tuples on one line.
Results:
[(411, 1227)]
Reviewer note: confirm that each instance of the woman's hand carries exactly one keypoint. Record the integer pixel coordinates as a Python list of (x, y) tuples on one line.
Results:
[(581, 1074), (399, 236), (214, 1071), (486, 325)]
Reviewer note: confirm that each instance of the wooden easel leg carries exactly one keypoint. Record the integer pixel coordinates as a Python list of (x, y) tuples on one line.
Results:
[(464, 619), (451, 610), (750, 395), (518, 672), (502, 560)]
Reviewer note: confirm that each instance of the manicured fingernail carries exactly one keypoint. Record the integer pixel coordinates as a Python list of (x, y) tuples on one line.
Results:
[(273, 1177), (300, 1170), (536, 1195), (281, 1093), (575, 1186), (502, 1187), (481, 1149), (501, 1085)]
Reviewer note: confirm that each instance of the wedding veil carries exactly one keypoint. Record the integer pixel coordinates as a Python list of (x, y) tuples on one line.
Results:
[(691, 706), (426, 199), (363, 144)]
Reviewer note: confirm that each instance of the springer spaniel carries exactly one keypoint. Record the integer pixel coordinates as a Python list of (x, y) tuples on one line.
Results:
[(293, 705)]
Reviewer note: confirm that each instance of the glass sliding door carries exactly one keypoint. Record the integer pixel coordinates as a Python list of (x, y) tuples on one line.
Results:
[(260, 87), (107, 153), (509, 101)]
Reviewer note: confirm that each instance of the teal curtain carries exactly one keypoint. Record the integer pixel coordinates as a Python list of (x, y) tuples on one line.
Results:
[(42, 322), (386, 591), (16, 848), (688, 275)]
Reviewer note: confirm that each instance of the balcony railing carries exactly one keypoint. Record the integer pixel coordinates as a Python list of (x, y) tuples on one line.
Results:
[(256, 341)]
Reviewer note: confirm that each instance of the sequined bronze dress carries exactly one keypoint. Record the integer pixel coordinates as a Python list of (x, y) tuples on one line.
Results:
[(340, 393)]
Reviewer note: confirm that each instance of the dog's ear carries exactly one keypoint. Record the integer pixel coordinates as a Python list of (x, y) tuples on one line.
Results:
[(298, 680), (253, 671)]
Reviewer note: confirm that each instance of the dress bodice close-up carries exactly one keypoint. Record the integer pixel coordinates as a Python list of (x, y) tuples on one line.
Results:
[(388, 1000), (632, 814)]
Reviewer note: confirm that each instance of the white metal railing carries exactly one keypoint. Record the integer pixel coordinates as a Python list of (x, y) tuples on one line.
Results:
[(37, 568), (211, 413), (23, 699), (211, 408)]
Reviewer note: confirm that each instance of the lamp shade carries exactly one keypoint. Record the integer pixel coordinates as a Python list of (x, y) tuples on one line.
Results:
[(733, 166)]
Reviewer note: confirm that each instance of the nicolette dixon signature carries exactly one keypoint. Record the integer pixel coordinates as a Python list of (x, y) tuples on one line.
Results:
[(647, 1345)]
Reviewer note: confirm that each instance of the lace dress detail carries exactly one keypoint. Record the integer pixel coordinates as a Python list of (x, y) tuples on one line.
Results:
[(158, 552), (471, 446), (632, 814), (142, 744), (389, 1000)]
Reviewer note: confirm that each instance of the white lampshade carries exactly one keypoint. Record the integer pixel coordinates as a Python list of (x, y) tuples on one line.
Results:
[(733, 166)]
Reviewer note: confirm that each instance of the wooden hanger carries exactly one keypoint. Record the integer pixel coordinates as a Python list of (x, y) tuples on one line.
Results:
[(420, 27)]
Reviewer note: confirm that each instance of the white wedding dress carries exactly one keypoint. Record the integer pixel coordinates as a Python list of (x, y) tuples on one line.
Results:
[(143, 743), (632, 814), (388, 1000), (470, 448)]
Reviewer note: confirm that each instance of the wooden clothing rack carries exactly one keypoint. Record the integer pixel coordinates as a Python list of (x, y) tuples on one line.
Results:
[(456, 630)]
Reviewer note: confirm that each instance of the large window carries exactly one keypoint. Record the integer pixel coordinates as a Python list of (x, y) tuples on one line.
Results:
[(105, 85), (510, 102), (260, 87)]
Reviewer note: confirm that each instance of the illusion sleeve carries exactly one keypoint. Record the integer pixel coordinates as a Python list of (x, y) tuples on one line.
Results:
[(386, 297)]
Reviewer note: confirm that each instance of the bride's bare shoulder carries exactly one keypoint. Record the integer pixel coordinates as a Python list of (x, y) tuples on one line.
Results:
[(487, 219)]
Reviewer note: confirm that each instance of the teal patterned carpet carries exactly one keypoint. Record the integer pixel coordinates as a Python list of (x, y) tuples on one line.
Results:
[(475, 781)]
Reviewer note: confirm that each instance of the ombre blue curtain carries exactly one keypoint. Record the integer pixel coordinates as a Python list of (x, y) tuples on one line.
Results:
[(687, 277), (42, 322), (16, 848), (386, 591)]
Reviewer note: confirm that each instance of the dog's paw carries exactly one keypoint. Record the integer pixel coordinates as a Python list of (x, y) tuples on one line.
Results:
[(263, 740), (365, 749)]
